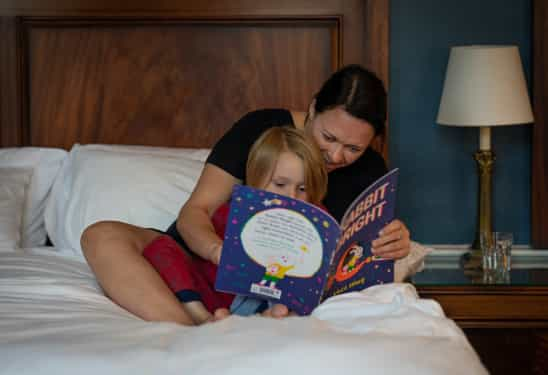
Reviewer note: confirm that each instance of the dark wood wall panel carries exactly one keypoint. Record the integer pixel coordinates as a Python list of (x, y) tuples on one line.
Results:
[(539, 192), (10, 98), (175, 84), (376, 35)]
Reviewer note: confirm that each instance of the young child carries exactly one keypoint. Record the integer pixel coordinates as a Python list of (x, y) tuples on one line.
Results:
[(282, 161)]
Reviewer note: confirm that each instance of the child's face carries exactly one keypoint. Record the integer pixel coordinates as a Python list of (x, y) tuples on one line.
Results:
[(288, 177)]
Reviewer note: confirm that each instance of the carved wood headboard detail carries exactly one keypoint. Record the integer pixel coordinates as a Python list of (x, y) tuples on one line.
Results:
[(174, 74)]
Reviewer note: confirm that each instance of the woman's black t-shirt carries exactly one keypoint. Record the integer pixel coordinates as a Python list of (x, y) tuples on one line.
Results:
[(344, 184)]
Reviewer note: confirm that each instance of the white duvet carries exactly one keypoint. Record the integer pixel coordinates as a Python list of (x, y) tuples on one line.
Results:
[(54, 319)]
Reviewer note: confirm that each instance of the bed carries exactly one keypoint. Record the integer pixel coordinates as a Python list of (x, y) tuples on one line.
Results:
[(108, 112), (54, 319)]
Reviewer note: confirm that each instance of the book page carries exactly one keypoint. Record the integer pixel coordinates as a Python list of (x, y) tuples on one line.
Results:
[(284, 234)]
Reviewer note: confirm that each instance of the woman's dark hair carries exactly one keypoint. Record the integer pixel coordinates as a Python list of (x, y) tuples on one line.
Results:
[(359, 92)]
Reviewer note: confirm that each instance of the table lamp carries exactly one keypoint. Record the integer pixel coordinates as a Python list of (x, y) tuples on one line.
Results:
[(484, 87)]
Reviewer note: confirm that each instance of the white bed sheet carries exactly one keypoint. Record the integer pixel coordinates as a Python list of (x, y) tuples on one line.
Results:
[(54, 319)]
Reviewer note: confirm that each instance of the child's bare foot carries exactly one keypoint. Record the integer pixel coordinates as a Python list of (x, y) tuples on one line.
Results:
[(221, 314), (277, 311)]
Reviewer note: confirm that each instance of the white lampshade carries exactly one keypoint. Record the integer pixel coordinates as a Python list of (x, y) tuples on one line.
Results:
[(484, 86)]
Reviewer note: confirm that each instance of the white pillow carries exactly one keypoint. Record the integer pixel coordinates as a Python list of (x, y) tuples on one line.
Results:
[(42, 165), (139, 185), (14, 183)]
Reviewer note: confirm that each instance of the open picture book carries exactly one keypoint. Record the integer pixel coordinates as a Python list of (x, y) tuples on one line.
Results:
[(297, 254)]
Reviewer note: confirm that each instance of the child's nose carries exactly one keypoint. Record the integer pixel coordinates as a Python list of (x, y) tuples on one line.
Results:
[(292, 193)]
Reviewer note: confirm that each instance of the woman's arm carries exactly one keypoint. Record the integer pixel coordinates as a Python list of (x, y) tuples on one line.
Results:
[(194, 222)]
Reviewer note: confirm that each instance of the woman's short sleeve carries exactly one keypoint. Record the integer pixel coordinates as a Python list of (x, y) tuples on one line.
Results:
[(231, 151)]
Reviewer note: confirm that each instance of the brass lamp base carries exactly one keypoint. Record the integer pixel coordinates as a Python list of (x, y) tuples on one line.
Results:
[(472, 260), (485, 159)]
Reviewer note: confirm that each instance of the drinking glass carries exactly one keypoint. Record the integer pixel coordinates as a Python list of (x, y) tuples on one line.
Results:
[(503, 244), (487, 246), (496, 248)]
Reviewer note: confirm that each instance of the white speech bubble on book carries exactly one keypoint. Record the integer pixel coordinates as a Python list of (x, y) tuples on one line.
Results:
[(285, 237)]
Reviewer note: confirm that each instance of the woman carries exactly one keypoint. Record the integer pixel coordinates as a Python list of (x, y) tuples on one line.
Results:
[(343, 118)]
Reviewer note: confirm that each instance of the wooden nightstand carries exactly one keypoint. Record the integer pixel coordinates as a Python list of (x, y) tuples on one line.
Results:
[(506, 322)]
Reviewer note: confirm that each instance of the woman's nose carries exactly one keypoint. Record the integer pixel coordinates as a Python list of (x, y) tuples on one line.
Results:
[(336, 155)]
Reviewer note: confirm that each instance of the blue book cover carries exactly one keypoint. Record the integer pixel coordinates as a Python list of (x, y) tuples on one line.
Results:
[(296, 254)]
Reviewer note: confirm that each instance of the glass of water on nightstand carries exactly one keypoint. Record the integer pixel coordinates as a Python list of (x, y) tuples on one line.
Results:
[(496, 248), (503, 243)]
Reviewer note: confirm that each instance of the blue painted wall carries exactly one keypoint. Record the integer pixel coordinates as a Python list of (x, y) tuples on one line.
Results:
[(438, 176)]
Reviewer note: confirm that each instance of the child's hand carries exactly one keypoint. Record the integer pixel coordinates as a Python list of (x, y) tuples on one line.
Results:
[(394, 241)]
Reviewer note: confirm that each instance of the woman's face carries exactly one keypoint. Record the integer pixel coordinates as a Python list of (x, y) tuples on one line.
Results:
[(287, 178), (341, 137)]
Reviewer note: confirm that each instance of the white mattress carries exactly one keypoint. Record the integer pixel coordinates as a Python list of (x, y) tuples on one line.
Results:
[(54, 319)]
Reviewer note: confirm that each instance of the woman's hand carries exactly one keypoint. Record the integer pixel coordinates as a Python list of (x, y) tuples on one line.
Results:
[(394, 241), (214, 254)]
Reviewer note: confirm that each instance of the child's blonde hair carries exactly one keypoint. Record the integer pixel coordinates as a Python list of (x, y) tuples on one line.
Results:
[(266, 150)]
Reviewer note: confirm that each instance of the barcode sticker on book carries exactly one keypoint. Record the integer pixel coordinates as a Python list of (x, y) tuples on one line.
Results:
[(266, 291)]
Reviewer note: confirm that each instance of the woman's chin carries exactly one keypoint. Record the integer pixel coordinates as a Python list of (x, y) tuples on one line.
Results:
[(331, 167)]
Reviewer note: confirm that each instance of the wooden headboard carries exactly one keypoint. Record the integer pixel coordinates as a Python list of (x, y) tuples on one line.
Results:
[(176, 73)]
